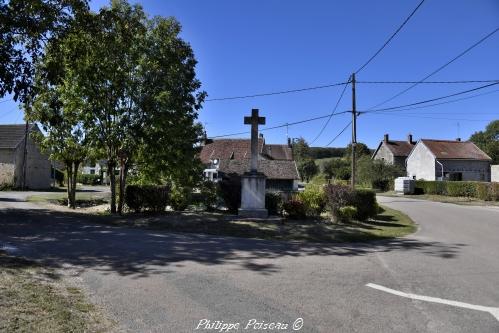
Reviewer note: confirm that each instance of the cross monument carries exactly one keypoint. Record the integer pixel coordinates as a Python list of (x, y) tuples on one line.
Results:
[(253, 182)]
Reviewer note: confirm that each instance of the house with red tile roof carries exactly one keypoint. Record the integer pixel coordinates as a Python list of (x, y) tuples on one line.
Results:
[(448, 160), (232, 156)]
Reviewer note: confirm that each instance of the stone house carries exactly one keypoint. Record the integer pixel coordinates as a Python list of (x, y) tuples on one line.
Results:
[(448, 160), (394, 151), (227, 156), (38, 166)]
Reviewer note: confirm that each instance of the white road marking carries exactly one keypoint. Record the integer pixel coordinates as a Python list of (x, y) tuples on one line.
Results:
[(491, 310)]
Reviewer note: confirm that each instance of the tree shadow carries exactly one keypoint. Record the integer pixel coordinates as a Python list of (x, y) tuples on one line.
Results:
[(60, 238)]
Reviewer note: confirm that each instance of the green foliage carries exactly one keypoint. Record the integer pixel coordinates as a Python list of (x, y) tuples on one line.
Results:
[(361, 149), (273, 203), (146, 197), (180, 197), (208, 192), (366, 204), (314, 199), (87, 179), (294, 209), (488, 140), (229, 189), (301, 150), (346, 213), (337, 168), (337, 196), (325, 152), (307, 169), (377, 173), (478, 190)]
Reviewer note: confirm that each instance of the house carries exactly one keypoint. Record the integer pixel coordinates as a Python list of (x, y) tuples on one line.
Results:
[(448, 160), (227, 156), (12, 157), (394, 151)]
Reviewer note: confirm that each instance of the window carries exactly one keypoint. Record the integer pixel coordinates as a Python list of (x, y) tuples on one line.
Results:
[(92, 171)]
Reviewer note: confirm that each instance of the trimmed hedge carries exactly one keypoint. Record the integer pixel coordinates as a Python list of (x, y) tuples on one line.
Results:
[(366, 204), (273, 203), (146, 197), (339, 196), (88, 179), (294, 209), (478, 190)]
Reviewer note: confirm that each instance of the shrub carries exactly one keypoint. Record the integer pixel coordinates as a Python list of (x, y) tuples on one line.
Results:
[(87, 179), (294, 209), (314, 199), (430, 187), (461, 189), (180, 198), (345, 214), (208, 195), (337, 196), (365, 202), (479, 190), (229, 189), (151, 197), (273, 203)]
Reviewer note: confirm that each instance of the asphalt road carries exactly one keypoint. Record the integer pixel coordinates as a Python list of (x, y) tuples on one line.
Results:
[(166, 282)]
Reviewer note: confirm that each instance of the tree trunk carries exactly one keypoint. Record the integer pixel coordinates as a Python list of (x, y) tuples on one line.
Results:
[(69, 181), (73, 188), (123, 175), (112, 180)]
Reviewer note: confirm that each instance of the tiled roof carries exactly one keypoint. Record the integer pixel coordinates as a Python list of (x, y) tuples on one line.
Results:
[(12, 135), (236, 149), (273, 169), (399, 148), (278, 152), (444, 149)]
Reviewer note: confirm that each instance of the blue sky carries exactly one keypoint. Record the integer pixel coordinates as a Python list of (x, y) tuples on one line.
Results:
[(259, 46)]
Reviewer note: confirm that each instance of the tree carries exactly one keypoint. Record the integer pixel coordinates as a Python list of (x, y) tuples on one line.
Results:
[(337, 168), (307, 169), (27, 26), (488, 140), (301, 150), (361, 149), (377, 173)]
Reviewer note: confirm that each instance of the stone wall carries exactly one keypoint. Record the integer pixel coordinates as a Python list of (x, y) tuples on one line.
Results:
[(385, 154), (38, 167), (7, 167), (421, 163), (471, 170)]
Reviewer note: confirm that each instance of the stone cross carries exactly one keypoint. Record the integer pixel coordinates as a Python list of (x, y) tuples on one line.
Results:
[(254, 121)]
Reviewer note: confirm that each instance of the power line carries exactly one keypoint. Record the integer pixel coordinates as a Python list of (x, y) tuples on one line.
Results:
[(277, 92), (432, 99), (438, 69), (427, 82), (438, 118), (334, 110), (341, 132), (281, 126), (391, 37)]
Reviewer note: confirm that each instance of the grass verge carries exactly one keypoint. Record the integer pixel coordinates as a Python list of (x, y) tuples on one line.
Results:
[(389, 224), (466, 201), (83, 199), (35, 299)]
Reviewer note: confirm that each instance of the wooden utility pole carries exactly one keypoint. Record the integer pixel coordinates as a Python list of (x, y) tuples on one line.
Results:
[(354, 132)]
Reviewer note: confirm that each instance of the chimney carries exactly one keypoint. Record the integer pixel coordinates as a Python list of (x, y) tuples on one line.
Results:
[(386, 138), (261, 135), (458, 139), (409, 138), (290, 145)]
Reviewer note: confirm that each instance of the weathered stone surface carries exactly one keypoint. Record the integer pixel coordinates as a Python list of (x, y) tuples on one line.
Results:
[(253, 195)]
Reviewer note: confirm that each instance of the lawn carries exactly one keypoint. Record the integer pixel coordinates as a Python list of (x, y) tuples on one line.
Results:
[(83, 199), (388, 224), (35, 299)]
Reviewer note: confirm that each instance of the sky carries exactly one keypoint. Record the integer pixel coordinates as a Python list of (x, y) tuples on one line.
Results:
[(250, 47)]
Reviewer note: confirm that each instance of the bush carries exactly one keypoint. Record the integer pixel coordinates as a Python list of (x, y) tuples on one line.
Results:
[(294, 209), (180, 198), (365, 202), (87, 179), (273, 203), (345, 214), (337, 196), (208, 195), (151, 197), (478, 190), (314, 199), (229, 189)]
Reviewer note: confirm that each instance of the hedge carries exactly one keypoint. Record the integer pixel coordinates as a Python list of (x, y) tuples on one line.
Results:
[(478, 190), (146, 197), (339, 196), (88, 179)]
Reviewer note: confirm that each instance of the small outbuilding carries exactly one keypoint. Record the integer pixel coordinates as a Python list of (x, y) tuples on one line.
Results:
[(448, 160), (16, 161)]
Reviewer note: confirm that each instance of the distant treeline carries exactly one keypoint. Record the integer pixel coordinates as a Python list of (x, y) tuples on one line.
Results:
[(326, 152)]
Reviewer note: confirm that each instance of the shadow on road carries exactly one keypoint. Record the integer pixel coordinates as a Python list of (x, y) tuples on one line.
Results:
[(58, 238)]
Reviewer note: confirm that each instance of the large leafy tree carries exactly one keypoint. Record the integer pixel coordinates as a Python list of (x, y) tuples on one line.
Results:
[(25, 29), (488, 140)]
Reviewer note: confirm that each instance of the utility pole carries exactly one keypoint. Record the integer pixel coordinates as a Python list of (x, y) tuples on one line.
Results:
[(354, 132)]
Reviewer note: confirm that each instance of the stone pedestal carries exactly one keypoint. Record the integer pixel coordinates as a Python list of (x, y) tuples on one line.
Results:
[(253, 196)]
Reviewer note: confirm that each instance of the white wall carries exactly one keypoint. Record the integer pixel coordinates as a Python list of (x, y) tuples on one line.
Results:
[(421, 163)]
